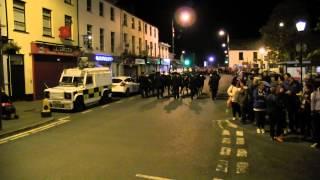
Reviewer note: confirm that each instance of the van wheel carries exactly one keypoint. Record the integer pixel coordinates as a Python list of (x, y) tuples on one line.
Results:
[(105, 98), (78, 105), (127, 93)]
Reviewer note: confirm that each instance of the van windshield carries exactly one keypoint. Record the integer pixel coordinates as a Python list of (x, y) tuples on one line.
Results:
[(71, 80)]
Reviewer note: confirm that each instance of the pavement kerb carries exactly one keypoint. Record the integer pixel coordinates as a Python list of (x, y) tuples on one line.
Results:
[(28, 127)]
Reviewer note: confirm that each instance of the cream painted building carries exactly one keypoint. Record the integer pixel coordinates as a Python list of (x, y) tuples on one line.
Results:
[(247, 54), (42, 30)]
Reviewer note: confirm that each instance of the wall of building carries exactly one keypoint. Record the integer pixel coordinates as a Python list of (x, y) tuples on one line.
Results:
[(93, 18), (248, 58), (34, 29)]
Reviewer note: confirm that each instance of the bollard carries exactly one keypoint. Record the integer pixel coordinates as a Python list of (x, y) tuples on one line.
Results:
[(46, 110)]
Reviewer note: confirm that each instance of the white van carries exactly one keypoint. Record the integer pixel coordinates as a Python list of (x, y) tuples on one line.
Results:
[(79, 88)]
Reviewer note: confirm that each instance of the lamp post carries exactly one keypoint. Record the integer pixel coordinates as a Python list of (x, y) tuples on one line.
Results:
[(301, 25), (184, 16), (223, 33)]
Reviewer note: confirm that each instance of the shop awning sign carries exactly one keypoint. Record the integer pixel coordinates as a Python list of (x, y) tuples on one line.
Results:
[(140, 61), (103, 58)]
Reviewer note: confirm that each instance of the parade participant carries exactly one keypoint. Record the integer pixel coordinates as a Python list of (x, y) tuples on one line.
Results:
[(315, 109), (259, 106), (232, 91), (214, 84)]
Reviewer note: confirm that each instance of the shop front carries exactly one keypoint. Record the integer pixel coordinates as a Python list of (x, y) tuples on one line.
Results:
[(49, 60), (165, 65)]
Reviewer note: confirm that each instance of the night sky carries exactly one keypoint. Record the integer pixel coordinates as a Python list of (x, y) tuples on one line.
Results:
[(242, 19)]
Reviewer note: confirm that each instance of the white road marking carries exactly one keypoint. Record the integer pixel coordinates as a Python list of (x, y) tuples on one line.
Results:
[(232, 125), (64, 118), (239, 133), (118, 102), (151, 177), (33, 131), (105, 106), (217, 178), (222, 166), (240, 141), (85, 112), (242, 167), (226, 141), (220, 124), (225, 151), (242, 152), (225, 133)]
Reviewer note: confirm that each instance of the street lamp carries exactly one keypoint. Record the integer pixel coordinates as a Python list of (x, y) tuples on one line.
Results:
[(301, 25), (184, 16), (281, 24), (223, 33), (224, 45)]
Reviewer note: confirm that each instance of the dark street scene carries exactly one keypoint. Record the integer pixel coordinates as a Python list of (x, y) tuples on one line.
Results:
[(159, 90)]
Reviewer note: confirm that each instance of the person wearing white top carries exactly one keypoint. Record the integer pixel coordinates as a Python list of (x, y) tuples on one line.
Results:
[(315, 110), (233, 91)]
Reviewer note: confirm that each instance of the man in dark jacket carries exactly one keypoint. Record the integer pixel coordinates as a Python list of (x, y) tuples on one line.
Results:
[(176, 82), (143, 80), (214, 84), (159, 85)]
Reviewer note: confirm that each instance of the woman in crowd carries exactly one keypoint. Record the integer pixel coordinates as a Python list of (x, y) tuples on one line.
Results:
[(259, 106), (232, 92)]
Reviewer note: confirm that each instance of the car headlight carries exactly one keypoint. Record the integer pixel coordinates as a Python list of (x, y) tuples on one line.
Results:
[(67, 95), (47, 94)]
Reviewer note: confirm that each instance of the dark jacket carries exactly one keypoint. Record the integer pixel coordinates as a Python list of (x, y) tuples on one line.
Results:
[(259, 99)]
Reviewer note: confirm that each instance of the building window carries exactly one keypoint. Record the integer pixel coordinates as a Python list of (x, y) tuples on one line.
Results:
[(112, 14), (151, 48), (68, 23), (89, 5), (19, 15), (101, 9), (146, 28), (132, 23), (112, 41), (133, 44), (255, 56), (139, 26), (150, 31), (47, 29), (140, 41), (101, 39), (155, 49), (155, 32), (240, 55), (89, 36), (146, 44), (125, 20), (67, 1)]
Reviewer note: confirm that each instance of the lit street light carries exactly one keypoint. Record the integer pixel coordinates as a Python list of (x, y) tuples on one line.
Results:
[(222, 33), (281, 24), (301, 25), (224, 45), (211, 59), (185, 17)]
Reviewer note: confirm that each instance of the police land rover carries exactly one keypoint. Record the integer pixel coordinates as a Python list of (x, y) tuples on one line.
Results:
[(79, 88)]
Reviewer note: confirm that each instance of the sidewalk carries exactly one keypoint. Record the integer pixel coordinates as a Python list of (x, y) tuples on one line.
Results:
[(29, 117)]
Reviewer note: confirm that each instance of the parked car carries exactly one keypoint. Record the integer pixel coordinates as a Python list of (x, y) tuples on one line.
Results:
[(124, 85)]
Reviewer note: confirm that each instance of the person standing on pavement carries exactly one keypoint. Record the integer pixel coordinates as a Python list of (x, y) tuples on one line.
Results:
[(259, 106), (305, 111), (292, 88), (276, 111), (315, 109), (214, 84), (242, 99), (232, 92), (143, 80)]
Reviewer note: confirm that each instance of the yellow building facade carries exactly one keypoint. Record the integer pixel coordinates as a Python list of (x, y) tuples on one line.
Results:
[(47, 33)]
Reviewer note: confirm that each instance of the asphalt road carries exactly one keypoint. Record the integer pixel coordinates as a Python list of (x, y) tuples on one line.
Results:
[(135, 138)]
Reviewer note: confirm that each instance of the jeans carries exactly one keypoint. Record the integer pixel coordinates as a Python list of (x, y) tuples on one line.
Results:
[(260, 118)]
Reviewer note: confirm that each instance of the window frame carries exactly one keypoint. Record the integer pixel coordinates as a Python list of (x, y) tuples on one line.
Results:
[(101, 39), (101, 9), (241, 56), (89, 5), (43, 19), (125, 19), (112, 13), (65, 23), (24, 15), (89, 33)]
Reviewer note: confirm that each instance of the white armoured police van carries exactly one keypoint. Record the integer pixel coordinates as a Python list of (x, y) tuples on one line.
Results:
[(80, 87)]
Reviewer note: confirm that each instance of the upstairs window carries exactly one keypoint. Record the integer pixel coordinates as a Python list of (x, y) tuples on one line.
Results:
[(125, 20), (46, 16), (112, 14), (240, 55), (101, 9), (89, 5), (19, 15)]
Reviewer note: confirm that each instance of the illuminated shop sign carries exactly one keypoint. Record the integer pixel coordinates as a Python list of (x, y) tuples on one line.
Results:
[(103, 58)]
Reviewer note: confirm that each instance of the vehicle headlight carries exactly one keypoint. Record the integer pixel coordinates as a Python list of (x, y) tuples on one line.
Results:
[(67, 95), (47, 94)]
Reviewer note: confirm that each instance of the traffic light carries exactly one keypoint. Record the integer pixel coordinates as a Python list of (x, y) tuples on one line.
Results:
[(187, 62)]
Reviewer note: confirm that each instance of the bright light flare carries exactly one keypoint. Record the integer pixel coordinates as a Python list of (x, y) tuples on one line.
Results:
[(185, 16)]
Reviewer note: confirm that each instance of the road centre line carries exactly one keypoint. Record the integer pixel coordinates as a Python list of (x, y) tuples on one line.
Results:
[(242, 152), (225, 132), (226, 141), (232, 125), (151, 177), (222, 166), (105, 106), (225, 151), (85, 112), (64, 118), (240, 141), (239, 133), (217, 178), (242, 167)]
